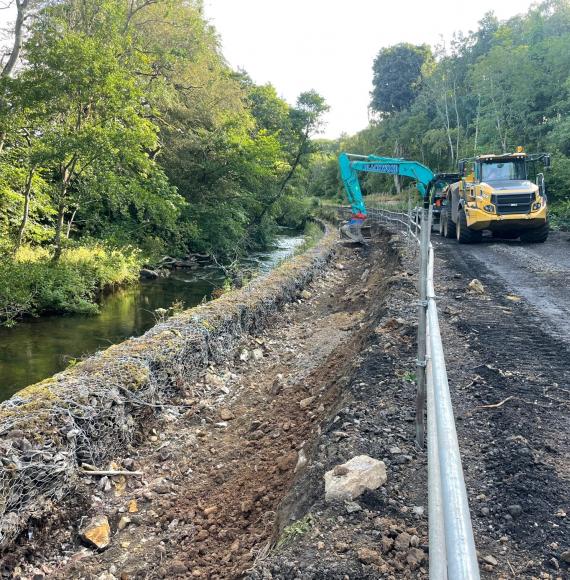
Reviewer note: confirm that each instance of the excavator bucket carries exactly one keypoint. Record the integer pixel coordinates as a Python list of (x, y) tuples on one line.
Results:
[(355, 230)]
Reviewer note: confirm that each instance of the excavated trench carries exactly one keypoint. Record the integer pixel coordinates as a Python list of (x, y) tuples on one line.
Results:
[(228, 465)]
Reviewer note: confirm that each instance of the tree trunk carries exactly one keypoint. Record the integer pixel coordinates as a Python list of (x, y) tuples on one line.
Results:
[(22, 6), (59, 229), (25, 216), (477, 124), (70, 223), (457, 123), (448, 127), (397, 183)]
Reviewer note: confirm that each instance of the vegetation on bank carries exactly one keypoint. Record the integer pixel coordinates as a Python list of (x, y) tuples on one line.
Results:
[(31, 283), (121, 122), (488, 91)]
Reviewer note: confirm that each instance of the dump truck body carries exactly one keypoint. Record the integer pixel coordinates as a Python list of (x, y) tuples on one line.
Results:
[(497, 195)]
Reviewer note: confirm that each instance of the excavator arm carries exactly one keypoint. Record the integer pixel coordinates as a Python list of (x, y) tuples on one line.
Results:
[(351, 164)]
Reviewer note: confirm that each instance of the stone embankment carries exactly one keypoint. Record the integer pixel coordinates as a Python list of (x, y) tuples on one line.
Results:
[(92, 412)]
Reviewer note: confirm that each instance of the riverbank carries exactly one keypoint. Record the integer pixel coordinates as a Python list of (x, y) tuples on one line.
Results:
[(37, 348), (96, 410)]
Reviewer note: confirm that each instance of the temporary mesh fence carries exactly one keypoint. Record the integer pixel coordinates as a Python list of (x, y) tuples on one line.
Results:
[(91, 412)]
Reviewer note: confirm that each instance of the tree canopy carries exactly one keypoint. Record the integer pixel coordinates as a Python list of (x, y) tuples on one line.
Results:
[(122, 121)]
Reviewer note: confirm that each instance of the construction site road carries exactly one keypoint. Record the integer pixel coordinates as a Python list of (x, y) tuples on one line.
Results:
[(539, 273), (507, 347)]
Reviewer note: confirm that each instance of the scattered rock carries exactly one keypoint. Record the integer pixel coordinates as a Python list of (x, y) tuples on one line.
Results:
[(210, 510), (363, 473), (305, 294), (244, 355), (301, 461), (277, 386), (306, 403), (341, 547), (133, 507), (339, 266), (226, 414), (515, 510), (402, 541), (565, 556), (124, 521), (246, 506), (129, 464), (352, 507), (491, 560), (287, 462), (368, 556), (177, 568), (201, 535), (387, 544), (415, 557), (213, 379), (257, 354), (97, 532), (476, 287)]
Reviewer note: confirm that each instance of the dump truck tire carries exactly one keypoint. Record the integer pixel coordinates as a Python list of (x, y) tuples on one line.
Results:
[(537, 236), (446, 225), (464, 234)]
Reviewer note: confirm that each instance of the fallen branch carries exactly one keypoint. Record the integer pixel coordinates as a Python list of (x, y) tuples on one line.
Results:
[(111, 472), (495, 405)]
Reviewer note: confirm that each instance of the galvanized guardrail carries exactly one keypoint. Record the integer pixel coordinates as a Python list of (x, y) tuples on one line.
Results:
[(452, 553)]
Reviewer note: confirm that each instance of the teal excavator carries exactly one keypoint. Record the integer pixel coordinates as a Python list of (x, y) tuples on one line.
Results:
[(430, 185)]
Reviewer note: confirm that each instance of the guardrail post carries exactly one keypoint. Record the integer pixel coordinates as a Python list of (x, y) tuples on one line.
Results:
[(422, 328)]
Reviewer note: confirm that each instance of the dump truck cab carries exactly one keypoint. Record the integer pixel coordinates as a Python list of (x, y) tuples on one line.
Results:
[(502, 194)]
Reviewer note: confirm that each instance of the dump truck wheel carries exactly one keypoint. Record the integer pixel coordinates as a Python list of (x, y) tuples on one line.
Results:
[(537, 236), (464, 234), (447, 226)]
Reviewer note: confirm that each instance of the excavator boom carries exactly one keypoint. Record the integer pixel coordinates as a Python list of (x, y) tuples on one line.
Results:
[(351, 164)]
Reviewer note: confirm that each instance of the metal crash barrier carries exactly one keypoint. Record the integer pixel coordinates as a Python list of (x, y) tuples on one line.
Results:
[(452, 553)]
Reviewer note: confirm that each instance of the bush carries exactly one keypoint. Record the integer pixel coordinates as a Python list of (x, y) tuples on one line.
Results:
[(31, 284), (560, 215)]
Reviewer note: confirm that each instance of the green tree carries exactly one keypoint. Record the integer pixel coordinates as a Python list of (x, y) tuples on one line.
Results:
[(397, 77)]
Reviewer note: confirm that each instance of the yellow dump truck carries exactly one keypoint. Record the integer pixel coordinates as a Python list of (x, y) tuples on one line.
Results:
[(502, 194)]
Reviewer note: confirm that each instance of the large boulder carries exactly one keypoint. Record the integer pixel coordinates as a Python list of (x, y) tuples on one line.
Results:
[(351, 479)]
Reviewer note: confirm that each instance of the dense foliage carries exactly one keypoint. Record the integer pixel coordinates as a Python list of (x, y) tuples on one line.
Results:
[(121, 121), (504, 85)]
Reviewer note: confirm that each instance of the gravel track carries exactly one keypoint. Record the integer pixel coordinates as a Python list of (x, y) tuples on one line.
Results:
[(509, 347)]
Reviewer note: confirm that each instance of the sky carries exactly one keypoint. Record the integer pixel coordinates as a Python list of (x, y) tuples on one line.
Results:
[(330, 45)]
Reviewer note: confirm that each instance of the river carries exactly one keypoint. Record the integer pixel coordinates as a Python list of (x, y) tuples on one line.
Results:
[(38, 348)]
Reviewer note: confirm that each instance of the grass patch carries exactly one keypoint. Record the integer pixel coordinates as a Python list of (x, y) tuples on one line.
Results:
[(296, 530)]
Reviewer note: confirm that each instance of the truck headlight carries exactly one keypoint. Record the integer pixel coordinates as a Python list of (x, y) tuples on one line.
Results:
[(489, 208), (536, 205)]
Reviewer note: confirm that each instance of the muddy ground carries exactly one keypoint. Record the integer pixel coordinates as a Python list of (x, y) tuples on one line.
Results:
[(232, 481)]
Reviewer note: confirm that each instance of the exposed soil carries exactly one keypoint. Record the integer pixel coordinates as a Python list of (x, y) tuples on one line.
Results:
[(233, 478)]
